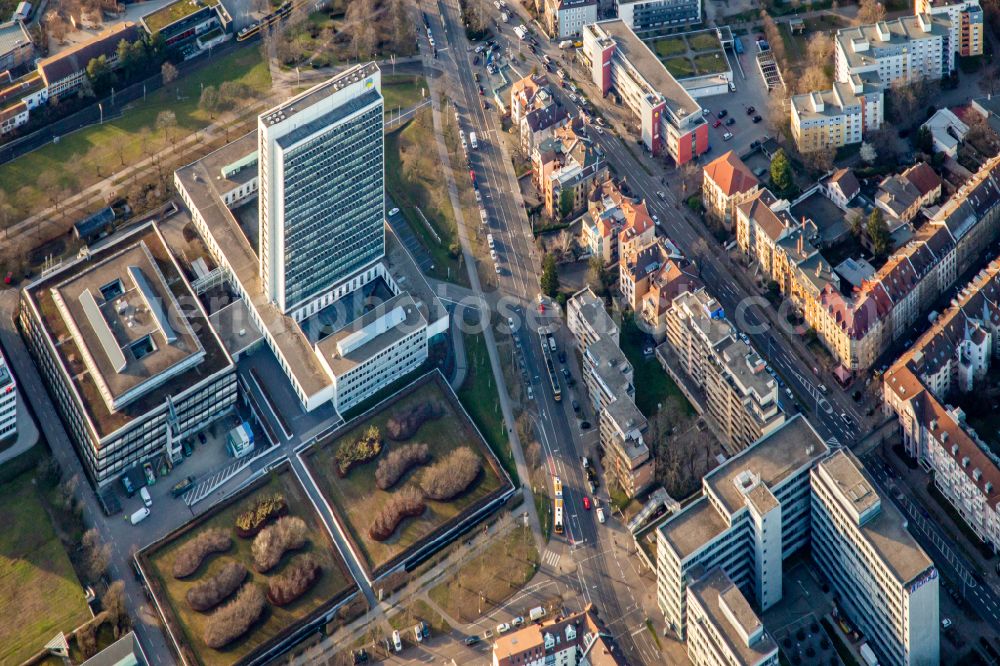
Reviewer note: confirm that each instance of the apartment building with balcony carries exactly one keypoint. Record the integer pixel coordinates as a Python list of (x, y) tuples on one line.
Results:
[(904, 50), (608, 377), (965, 17), (669, 118), (953, 355), (723, 628), (726, 181), (829, 119), (885, 582), (720, 373), (565, 169), (565, 19), (857, 323), (614, 221)]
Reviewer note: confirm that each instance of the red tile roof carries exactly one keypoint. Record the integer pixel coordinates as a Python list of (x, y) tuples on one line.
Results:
[(923, 178), (731, 174)]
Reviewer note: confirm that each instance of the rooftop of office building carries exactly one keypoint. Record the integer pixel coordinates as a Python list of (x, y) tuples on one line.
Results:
[(127, 326), (881, 523), (647, 65), (318, 93), (733, 619)]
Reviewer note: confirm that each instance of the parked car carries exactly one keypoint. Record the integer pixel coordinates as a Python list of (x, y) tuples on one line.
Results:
[(586, 503), (397, 642), (722, 114), (750, 110), (600, 515), (182, 486), (717, 123), (139, 516), (394, 211), (147, 501), (502, 628), (517, 621), (731, 121), (471, 640), (127, 484), (756, 119), (727, 136), (584, 425)]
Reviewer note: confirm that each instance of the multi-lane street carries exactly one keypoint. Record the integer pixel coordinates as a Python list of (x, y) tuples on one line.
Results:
[(517, 299)]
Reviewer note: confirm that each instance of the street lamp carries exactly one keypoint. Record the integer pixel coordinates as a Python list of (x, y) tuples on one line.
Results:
[(101, 108)]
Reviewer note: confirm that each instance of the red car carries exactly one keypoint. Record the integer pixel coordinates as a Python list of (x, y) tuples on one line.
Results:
[(716, 123), (586, 503)]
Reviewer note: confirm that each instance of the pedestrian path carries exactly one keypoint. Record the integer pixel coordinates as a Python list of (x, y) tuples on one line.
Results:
[(551, 558), (216, 479)]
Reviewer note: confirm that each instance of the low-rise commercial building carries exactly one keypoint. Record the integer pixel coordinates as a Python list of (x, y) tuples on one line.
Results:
[(608, 377), (947, 131), (64, 72), (723, 628), (127, 352), (726, 182), (885, 583), (190, 25), (646, 14), (670, 120), (16, 47), (829, 119), (565, 18), (574, 640), (905, 49)]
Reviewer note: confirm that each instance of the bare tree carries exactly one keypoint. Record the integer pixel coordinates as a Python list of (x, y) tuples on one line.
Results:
[(870, 11), (119, 144), (819, 161), (97, 554), (166, 121), (989, 79), (819, 50), (113, 603), (169, 73), (813, 79)]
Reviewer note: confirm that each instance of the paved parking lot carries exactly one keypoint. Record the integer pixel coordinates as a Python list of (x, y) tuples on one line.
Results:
[(750, 92)]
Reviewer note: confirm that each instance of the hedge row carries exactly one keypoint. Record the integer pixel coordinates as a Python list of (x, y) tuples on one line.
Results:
[(190, 555)]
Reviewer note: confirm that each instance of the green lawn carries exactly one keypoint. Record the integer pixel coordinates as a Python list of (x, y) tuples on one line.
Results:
[(82, 158), (357, 499), (334, 582), (402, 91), (415, 177), (670, 46), (704, 41), (680, 67), (653, 384), (490, 578), (711, 63), (39, 591), (415, 612), (479, 397)]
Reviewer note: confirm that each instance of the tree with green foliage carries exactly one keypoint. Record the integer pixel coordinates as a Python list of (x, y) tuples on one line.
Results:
[(550, 276), (99, 73), (878, 232), (781, 173), (565, 203)]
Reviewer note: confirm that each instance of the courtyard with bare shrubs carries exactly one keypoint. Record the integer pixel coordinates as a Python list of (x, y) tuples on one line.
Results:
[(381, 505), (398, 462), (212, 591), (228, 610), (288, 533), (194, 552)]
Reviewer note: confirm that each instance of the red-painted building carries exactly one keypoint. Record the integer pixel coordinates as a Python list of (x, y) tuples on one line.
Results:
[(670, 119)]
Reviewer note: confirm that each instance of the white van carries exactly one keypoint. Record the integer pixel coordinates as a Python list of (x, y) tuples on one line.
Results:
[(536, 613), (397, 642), (139, 516), (146, 499)]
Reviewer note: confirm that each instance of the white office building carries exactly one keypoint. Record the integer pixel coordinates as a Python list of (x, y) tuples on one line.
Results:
[(753, 513), (336, 296), (321, 190), (8, 401), (723, 628), (886, 583)]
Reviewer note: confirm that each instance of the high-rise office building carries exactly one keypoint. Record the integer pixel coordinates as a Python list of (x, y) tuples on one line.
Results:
[(321, 171)]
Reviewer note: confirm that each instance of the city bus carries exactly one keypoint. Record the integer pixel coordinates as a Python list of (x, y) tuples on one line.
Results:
[(557, 521), (550, 367)]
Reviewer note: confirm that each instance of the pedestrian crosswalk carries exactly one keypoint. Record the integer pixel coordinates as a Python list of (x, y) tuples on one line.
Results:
[(210, 483), (551, 558)]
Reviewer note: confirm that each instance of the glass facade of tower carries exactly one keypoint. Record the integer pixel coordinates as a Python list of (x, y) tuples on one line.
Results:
[(333, 206)]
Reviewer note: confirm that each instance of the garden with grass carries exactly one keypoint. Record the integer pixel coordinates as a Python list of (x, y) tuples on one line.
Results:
[(402, 92), (680, 67), (490, 578), (401, 473), (670, 46), (246, 572), (82, 158), (415, 178), (38, 585), (711, 63)]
